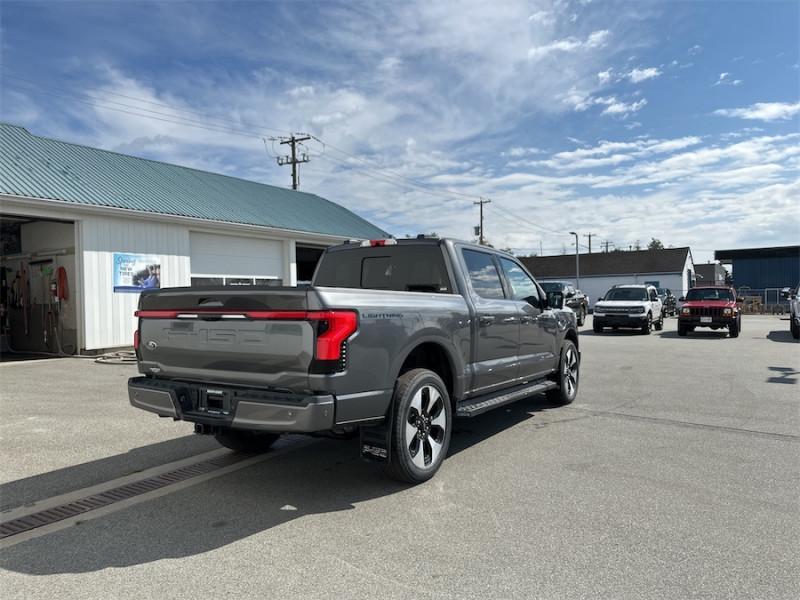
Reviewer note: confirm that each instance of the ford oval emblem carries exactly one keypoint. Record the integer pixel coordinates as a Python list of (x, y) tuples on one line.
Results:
[(151, 345)]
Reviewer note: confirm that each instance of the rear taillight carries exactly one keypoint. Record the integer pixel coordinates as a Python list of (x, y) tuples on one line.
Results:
[(335, 326), (136, 340)]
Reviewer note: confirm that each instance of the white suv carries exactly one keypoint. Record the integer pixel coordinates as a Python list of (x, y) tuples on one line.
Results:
[(636, 306)]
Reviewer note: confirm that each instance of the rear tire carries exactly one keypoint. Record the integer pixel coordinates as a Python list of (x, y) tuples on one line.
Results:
[(249, 442), (569, 367), (423, 422), (794, 328)]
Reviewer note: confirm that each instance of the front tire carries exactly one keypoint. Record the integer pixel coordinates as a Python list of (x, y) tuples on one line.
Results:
[(581, 317), (568, 375), (249, 442), (659, 325), (597, 328), (423, 422), (734, 328), (682, 329), (794, 328), (648, 324)]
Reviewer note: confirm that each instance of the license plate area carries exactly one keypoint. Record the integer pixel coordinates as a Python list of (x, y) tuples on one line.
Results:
[(214, 401), (705, 319)]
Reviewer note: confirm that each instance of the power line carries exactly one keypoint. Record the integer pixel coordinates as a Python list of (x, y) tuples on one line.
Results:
[(145, 101)]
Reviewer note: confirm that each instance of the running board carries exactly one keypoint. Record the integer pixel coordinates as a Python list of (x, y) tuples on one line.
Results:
[(482, 404)]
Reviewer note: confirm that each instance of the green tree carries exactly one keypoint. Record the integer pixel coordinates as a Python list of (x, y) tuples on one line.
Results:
[(655, 244)]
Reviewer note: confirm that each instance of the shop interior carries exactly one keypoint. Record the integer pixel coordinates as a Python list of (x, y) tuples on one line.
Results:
[(38, 307)]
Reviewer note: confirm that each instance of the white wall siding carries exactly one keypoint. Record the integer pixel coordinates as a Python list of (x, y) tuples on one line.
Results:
[(236, 256), (108, 316)]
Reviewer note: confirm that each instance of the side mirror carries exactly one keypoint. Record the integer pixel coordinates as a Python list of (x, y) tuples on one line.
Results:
[(786, 293), (739, 300), (682, 299), (570, 294), (555, 300)]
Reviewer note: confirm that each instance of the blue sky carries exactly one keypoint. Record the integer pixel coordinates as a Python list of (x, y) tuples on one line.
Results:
[(629, 120)]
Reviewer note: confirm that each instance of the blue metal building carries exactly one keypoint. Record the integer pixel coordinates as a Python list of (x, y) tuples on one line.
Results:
[(763, 268)]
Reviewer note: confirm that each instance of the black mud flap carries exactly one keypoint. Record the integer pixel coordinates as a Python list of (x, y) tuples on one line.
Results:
[(376, 440)]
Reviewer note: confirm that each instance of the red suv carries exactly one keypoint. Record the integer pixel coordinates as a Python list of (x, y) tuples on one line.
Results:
[(711, 306)]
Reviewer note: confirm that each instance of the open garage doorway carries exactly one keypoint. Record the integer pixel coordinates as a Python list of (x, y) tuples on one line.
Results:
[(38, 307), (307, 258)]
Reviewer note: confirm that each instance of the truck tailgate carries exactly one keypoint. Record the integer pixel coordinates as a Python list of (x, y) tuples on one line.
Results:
[(246, 336)]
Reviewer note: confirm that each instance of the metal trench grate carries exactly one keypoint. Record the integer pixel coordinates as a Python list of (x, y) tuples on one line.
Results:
[(114, 495)]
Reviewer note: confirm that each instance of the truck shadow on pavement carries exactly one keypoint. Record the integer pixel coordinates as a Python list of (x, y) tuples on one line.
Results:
[(782, 336), (720, 334), (326, 476)]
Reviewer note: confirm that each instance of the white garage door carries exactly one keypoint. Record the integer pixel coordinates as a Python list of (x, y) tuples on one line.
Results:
[(232, 260)]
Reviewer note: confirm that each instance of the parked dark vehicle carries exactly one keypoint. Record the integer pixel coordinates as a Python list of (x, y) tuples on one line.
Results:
[(793, 296), (573, 298), (668, 301), (710, 306), (393, 339)]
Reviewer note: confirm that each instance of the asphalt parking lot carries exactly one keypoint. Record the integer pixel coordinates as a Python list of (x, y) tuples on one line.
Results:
[(675, 474)]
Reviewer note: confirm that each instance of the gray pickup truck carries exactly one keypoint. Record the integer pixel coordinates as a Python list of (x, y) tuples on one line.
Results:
[(393, 339)]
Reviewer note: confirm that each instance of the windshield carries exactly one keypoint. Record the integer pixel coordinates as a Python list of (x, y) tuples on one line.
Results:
[(709, 294), (552, 286), (637, 294)]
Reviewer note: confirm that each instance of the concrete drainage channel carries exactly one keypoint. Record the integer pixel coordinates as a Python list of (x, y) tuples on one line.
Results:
[(57, 513), (73, 509)]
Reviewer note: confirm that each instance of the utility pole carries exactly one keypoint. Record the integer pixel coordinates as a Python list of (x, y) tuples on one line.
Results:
[(293, 160), (589, 235), (481, 202), (577, 261), (606, 243), (541, 250)]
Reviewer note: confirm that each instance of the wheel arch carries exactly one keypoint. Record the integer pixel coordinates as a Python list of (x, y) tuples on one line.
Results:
[(432, 354)]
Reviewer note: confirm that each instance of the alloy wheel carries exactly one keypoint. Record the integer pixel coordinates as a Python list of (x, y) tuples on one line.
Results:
[(426, 424), (569, 376)]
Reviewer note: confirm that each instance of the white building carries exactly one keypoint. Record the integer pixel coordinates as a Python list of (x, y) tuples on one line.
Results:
[(108, 225), (670, 268)]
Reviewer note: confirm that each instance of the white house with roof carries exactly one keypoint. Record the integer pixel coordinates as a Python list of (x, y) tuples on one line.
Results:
[(84, 230)]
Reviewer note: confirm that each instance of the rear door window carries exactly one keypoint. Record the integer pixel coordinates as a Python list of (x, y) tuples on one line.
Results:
[(483, 274), (402, 268)]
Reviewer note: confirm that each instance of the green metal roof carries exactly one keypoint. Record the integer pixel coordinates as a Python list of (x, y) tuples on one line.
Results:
[(38, 167)]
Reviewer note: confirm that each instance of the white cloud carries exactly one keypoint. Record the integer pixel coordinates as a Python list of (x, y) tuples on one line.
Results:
[(726, 79), (695, 50), (638, 75), (763, 111), (597, 39), (605, 77), (620, 108)]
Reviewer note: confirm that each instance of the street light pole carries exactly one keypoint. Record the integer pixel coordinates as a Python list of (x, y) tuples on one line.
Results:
[(577, 261)]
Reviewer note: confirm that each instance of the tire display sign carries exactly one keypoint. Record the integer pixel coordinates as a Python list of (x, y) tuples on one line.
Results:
[(136, 272)]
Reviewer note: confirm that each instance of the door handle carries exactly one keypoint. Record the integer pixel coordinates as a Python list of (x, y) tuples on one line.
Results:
[(486, 320), (510, 320)]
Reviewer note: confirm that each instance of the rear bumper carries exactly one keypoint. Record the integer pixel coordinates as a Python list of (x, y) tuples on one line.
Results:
[(221, 406)]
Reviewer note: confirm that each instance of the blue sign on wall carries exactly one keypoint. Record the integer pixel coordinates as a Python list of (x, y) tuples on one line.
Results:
[(136, 272)]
